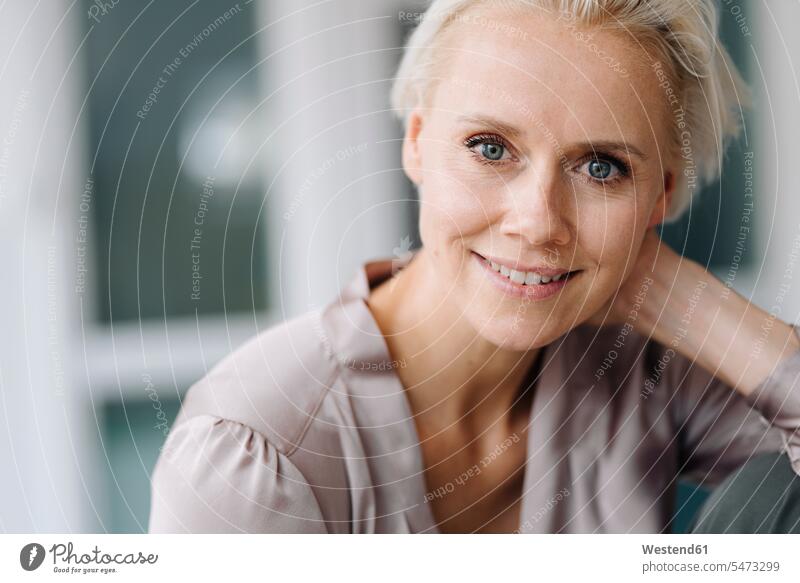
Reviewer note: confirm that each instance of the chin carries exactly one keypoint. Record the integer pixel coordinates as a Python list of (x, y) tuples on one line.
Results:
[(518, 334)]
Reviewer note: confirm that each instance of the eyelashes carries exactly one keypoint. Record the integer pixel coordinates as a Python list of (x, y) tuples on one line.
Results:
[(487, 139), (621, 168)]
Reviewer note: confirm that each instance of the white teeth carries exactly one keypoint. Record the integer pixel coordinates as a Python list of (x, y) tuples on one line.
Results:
[(524, 277), (533, 278), (517, 276)]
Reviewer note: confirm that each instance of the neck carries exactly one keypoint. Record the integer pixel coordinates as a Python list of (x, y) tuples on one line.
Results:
[(451, 373)]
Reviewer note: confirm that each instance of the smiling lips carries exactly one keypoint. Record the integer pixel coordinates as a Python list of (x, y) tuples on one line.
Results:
[(533, 282)]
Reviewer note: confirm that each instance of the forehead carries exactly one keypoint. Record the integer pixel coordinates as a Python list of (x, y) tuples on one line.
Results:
[(540, 69)]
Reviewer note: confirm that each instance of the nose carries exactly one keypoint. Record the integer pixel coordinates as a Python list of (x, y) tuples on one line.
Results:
[(537, 209)]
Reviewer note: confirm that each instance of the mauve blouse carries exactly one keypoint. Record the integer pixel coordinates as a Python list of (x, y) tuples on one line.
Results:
[(307, 429)]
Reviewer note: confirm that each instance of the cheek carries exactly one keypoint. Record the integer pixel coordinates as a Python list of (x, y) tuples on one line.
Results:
[(460, 198), (452, 210), (606, 235)]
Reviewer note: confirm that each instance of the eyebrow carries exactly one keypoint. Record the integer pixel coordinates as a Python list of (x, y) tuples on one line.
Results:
[(514, 132), (612, 146), (493, 123)]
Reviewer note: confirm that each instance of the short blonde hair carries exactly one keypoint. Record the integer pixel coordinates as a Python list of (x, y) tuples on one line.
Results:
[(685, 34)]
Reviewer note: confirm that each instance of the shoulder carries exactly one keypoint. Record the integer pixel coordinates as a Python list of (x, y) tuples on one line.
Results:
[(226, 465), (215, 475), (274, 383)]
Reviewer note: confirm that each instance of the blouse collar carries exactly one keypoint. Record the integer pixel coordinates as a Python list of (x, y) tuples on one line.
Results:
[(383, 414), (355, 338)]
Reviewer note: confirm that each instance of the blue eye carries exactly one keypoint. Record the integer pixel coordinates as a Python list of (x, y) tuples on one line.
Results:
[(602, 170), (492, 151)]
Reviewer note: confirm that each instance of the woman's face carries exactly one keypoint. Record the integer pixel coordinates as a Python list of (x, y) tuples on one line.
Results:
[(543, 149)]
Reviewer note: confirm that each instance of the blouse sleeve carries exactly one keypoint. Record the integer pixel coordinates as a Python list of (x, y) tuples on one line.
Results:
[(219, 476), (720, 429)]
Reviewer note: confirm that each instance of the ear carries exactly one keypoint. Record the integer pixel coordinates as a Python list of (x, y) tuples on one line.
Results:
[(412, 156), (663, 202)]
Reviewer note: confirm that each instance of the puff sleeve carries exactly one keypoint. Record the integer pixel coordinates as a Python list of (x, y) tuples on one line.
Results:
[(720, 429), (220, 476)]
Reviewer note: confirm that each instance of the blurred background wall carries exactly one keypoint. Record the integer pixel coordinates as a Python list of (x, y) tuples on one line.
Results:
[(177, 176)]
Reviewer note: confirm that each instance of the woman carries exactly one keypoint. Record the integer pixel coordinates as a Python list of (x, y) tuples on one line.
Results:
[(542, 363)]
